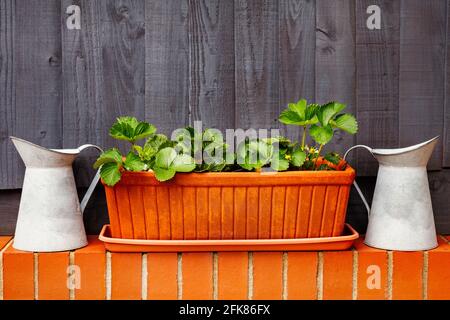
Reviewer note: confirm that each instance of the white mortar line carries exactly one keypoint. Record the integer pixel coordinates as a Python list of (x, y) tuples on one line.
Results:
[(71, 263), (250, 276), (144, 277), (390, 257), (36, 276), (355, 275), (180, 276), (1, 266), (108, 276), (425, 276), (285, 267), (319, 280)]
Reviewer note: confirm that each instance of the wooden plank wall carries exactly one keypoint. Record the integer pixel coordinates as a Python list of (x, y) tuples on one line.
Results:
[(231, 64)]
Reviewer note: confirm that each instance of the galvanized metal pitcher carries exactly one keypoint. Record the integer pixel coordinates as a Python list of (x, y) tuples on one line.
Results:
[(401, 217), (50, 215)]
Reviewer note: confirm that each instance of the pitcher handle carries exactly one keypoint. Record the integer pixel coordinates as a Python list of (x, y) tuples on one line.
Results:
[(94, 182), (358, 189)]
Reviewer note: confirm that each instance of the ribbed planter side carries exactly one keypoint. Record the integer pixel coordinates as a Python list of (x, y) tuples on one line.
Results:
[(230, 205)]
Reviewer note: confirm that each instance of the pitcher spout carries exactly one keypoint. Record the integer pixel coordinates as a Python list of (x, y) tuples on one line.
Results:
[(35, 156), (413, 156)]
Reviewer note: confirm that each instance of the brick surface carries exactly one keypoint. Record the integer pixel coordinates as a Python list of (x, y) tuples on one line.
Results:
[(267, 276), (126, 276), (52, 276), (91, 262), (233, 276), (372, 272), (197, 276), (439, 272), (18, 275), (407, 275), (4, 241), (337, 275), (162, 271), (302, 275)]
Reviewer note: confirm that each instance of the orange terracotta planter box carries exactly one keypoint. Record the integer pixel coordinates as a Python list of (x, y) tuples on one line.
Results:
[(232, 205)]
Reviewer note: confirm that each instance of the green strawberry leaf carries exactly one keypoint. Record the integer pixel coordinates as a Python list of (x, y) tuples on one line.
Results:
[(345, 122), (134, 163), (279, 164), (163, 174), (143, 130), (298, 158), (110, 173), (183, 163), (131, 130), (290, 117), (321, 135), (165, 158), (299, 108), (112, 155), (328, 111), (333, 157)]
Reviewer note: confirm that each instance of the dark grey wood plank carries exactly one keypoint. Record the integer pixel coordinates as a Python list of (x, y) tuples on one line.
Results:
[(377, 90), (211, 47), (335, 62), (95, 215), (9, 208), (30, 46), (167, 64), (422, 65), (440, 190), (297, 55), (103, 65), (257, 64), (446, 132), (9, 162)]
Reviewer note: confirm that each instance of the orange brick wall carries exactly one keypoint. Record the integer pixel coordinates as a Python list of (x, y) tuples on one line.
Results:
[(361, 273)]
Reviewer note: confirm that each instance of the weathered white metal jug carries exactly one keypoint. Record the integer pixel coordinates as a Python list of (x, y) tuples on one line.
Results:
[(401, 217), (50, 215)]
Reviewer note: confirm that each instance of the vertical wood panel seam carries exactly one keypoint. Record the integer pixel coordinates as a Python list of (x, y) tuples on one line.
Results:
[(1, 267)]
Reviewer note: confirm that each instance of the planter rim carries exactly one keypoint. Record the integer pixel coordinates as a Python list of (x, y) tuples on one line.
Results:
[(343, 242), (251, 179)]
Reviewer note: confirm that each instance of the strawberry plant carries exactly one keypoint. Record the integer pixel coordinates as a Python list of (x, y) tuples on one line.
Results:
[(167, 157)]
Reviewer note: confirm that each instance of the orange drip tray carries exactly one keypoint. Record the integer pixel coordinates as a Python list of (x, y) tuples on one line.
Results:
[(305, 244)]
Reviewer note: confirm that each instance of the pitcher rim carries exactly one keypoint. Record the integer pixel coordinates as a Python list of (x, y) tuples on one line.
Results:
[(398, 151), (44, 148)]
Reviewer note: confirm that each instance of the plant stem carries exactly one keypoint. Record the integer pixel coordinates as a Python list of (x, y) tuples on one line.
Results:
[(304, 138), (318, 155)]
